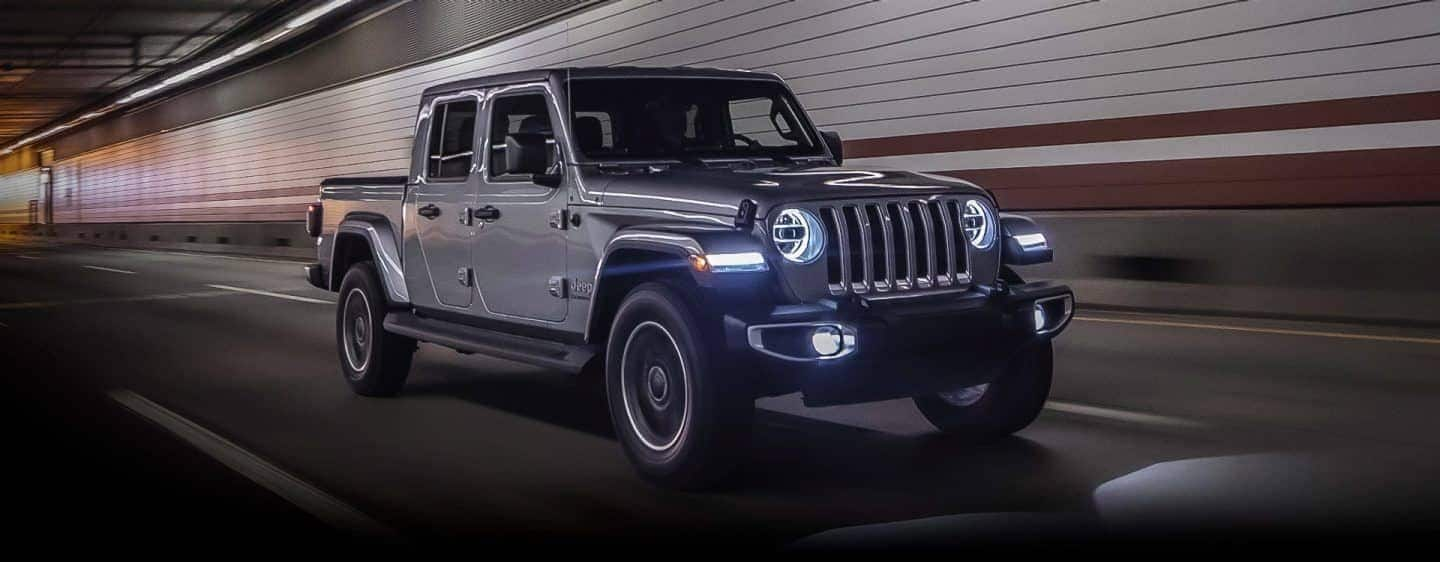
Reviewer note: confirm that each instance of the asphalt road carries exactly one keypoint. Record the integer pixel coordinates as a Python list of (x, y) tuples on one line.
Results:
[(147, 392)]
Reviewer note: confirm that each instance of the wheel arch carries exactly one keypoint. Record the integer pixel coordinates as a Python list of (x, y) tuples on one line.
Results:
[(364, 236), (625, 266)]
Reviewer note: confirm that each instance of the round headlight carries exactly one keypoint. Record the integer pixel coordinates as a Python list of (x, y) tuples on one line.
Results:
[(979, 224), (798, 235)]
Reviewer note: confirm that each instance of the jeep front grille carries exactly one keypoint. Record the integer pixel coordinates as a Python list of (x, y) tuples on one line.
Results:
[(886, 246)]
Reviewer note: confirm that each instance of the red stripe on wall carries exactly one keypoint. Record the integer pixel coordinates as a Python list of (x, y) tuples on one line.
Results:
[(284, 212), (1328, 113), (1361, 177)]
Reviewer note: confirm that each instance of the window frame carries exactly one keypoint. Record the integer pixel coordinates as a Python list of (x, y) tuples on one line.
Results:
[(429, 121), (557, 135), (812, 133)]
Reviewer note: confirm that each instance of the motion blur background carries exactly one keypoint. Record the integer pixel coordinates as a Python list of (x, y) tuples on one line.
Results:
[(1277, 157), (1243, 195)]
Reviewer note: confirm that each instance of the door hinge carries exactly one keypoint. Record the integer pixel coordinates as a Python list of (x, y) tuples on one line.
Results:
[(463, 276), (556, 285), (560, 219)]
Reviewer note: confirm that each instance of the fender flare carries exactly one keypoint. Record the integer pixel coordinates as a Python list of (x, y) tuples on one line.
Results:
[(679, 241), (377, 231)]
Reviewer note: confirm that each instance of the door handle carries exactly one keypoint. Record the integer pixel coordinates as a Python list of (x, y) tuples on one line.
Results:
[(429, 211), (486, 213)]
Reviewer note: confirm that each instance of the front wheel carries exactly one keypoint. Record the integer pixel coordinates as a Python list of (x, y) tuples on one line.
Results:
[(1001, 407), (682, 420), (374, 362)]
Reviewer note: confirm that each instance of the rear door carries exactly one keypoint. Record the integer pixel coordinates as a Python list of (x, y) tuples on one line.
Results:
[(444, 196), (521, 252)]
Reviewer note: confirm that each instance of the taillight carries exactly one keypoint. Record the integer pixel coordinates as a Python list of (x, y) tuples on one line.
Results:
[(313, 214)]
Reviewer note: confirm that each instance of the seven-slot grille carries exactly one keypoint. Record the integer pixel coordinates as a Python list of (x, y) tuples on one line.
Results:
[(886, 246)]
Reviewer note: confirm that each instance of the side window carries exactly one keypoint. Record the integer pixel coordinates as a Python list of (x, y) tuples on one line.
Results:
[(525, 113), (763, 120), (452, 140)]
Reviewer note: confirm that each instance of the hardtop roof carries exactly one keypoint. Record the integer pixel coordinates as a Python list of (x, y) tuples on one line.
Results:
[(547, 74)]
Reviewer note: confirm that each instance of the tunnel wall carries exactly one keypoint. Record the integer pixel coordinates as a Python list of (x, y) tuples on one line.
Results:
[(1281, 113), (17, 189)]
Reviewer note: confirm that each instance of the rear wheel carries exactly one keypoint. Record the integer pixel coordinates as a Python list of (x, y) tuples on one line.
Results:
[(373, 361), (1001, 407), (682, 420)]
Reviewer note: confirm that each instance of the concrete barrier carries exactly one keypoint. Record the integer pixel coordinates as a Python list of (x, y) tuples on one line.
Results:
[(275, 239), (1372, 265)]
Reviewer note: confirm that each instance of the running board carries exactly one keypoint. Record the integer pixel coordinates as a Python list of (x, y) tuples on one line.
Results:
[(533, 351)]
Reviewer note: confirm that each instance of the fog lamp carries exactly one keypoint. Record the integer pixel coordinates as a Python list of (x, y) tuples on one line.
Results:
[(826, 341), (1039, 317)]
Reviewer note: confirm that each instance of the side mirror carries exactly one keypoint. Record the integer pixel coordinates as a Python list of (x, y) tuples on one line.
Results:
[(837, 148), (1023, 243)]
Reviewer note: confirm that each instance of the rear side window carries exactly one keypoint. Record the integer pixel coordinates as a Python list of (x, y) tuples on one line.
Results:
[(525, 113), (452, 140)]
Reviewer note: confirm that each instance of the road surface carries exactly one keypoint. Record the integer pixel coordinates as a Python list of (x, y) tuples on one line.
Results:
[(156, 391)]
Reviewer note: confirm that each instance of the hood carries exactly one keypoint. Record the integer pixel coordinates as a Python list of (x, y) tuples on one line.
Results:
[(720, 190)]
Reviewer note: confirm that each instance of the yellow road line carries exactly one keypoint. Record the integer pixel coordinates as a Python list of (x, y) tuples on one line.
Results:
[(1247, 329), (108, 300), (1120, 415)]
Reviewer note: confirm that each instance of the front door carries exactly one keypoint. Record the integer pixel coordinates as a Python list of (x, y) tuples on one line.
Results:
[(520, 253), (444, 197)]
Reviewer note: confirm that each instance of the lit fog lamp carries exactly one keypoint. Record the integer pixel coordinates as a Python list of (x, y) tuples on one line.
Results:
[(826, 341), (1039, 317)]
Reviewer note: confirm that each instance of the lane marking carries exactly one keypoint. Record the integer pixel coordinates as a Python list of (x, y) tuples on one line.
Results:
[(25, 257), (110, 269), (108, 300), (302, 494), (1277, 331), (1121, 415), (295, 261), (270, 294)]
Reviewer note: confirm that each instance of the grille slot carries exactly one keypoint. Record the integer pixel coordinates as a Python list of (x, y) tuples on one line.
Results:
[(894, 246)]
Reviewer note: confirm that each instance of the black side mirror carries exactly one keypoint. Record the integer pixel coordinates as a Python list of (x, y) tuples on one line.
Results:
[(837, 148), (1022, 241)]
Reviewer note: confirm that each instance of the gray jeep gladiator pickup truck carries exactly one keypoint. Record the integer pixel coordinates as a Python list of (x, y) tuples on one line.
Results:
[(691, 237)]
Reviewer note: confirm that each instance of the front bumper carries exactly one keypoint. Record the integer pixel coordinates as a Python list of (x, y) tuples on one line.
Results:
[(315, 275), (896, 348)]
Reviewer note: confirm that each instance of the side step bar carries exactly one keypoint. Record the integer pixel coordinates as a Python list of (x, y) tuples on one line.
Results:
[(537, 352)]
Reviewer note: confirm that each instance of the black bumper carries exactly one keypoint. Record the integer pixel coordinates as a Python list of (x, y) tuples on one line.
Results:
[(315, 274), (897, 348)]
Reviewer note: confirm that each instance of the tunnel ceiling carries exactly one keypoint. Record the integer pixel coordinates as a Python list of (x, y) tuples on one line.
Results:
[(59, 55)]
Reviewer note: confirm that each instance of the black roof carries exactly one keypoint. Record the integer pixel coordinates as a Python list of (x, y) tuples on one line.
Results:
[(546, 74)]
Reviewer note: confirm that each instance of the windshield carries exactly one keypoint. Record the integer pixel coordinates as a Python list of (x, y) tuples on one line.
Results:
[(686, 118)]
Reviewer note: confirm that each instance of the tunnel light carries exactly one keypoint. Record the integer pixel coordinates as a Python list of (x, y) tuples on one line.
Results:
[(188, 74), (246, 48), (295, 23), (729, 263), (315, 14), (1032, 241)]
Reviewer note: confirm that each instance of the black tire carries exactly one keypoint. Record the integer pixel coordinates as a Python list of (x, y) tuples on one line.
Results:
[(1002, 407), (682, 420), (373, 361)]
